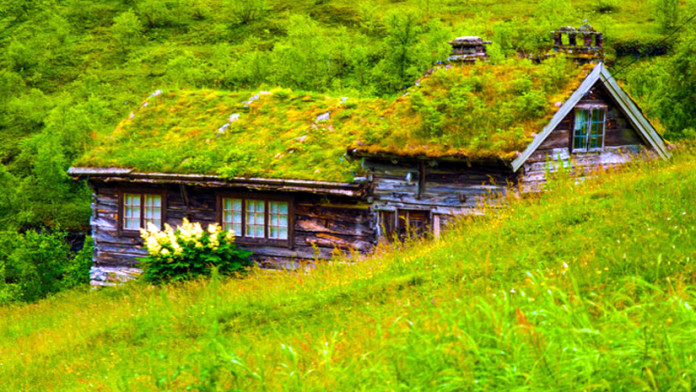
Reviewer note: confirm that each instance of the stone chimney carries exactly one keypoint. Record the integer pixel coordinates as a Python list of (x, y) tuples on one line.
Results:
[(468, 50), (589, 50)]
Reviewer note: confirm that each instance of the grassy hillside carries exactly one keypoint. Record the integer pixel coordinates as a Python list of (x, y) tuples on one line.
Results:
[(588, 287)]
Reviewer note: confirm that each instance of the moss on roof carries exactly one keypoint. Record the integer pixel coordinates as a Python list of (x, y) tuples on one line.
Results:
[(477, 112)]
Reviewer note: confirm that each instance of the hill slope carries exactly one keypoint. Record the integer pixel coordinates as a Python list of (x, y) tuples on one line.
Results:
[(589, 286)]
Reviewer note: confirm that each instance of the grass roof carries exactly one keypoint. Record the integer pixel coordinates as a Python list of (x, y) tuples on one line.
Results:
[(474, 112)]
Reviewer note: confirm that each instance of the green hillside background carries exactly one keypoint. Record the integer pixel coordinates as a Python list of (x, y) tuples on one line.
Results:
[(587, 287)]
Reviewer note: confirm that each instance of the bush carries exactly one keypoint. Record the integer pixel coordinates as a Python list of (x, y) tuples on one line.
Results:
[(189, 252), (34, 265)]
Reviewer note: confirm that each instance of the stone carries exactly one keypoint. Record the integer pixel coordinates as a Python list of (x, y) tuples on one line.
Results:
[(156, 93), (323, 117), (234, 117), (222, 129), (109, 276)]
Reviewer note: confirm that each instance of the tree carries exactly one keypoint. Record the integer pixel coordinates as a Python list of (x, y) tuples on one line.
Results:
[(127, 29)]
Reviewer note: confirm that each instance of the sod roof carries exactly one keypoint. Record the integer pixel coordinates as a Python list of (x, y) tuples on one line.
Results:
[(480, 111)]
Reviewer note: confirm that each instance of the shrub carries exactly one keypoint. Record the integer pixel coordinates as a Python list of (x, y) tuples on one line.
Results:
[(34, 265), (189, 252)]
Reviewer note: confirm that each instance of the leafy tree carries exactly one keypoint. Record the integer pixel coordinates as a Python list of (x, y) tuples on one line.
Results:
[(36, 264), (127, 29)]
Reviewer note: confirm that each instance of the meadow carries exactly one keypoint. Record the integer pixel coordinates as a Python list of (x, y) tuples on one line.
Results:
[(588, 286)]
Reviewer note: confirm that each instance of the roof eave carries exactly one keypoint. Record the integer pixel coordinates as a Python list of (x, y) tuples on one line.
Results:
[(110, 174)]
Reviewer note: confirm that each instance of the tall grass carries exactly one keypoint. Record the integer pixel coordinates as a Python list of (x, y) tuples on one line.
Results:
[(587, 287)]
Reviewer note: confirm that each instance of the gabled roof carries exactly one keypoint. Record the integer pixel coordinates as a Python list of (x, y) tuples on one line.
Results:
[(479, 112), (599, 75)]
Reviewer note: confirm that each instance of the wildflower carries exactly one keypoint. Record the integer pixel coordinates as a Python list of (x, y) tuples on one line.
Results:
[(177, 248), (213, 229), (152, 245), (214, 242)]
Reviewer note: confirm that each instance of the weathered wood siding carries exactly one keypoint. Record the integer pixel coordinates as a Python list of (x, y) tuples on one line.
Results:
[(621, 143), (322, 224), (443, 189)]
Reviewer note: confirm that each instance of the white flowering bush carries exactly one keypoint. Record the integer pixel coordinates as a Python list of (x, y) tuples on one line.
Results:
[(190, 251)]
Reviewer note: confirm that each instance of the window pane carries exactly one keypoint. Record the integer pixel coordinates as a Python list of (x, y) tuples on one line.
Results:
[(597, 129), (597, 115), (152, 210), (232, 215), (580, 130), (255, 214), (131, 211), (278, 220)]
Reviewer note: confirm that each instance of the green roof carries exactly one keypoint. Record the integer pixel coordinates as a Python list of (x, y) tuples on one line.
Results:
[(474, 112)]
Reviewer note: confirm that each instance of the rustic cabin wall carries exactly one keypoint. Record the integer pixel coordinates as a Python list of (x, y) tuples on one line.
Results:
[(447, 188), (621, 143), (441, 189), (323, 225)]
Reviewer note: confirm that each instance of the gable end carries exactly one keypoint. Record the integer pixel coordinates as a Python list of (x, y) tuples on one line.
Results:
[(599, 74)]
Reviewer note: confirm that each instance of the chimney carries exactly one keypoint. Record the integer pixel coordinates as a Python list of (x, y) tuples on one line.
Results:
[(468, 50), (591, 49)]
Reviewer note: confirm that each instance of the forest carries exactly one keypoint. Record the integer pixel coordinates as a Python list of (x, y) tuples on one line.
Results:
[(70, 70)]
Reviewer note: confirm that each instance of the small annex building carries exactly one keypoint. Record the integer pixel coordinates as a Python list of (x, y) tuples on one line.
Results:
[(302, 176)]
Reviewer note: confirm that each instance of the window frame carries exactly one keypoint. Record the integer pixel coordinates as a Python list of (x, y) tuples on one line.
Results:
[(400, 221), (589, 107), (122, 230), (266, 198)]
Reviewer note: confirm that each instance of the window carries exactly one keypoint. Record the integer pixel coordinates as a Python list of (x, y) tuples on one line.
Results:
[(257, 219), (139, 209), (404, 223), (588, 132)]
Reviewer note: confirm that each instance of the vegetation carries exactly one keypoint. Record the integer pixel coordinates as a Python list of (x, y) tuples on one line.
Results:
[(590, 286), (284, 134), (190, 252), (34, 265)]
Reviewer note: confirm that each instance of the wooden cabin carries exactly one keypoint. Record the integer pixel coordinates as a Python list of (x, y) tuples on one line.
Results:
[(303, 177)]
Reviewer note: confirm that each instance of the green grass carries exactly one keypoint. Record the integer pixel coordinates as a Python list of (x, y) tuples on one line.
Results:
[(482, 111), (587, 287)]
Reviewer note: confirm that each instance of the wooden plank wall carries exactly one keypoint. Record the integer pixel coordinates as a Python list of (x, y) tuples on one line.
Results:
[(621, 144), (323, 225), (449, 188)]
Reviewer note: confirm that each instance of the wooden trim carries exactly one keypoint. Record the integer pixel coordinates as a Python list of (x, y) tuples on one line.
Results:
[(113, 174), (266, 198), (421, 180)]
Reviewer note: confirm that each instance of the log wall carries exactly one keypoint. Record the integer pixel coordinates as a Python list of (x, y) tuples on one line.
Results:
[(323, 225), (443, 189)]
